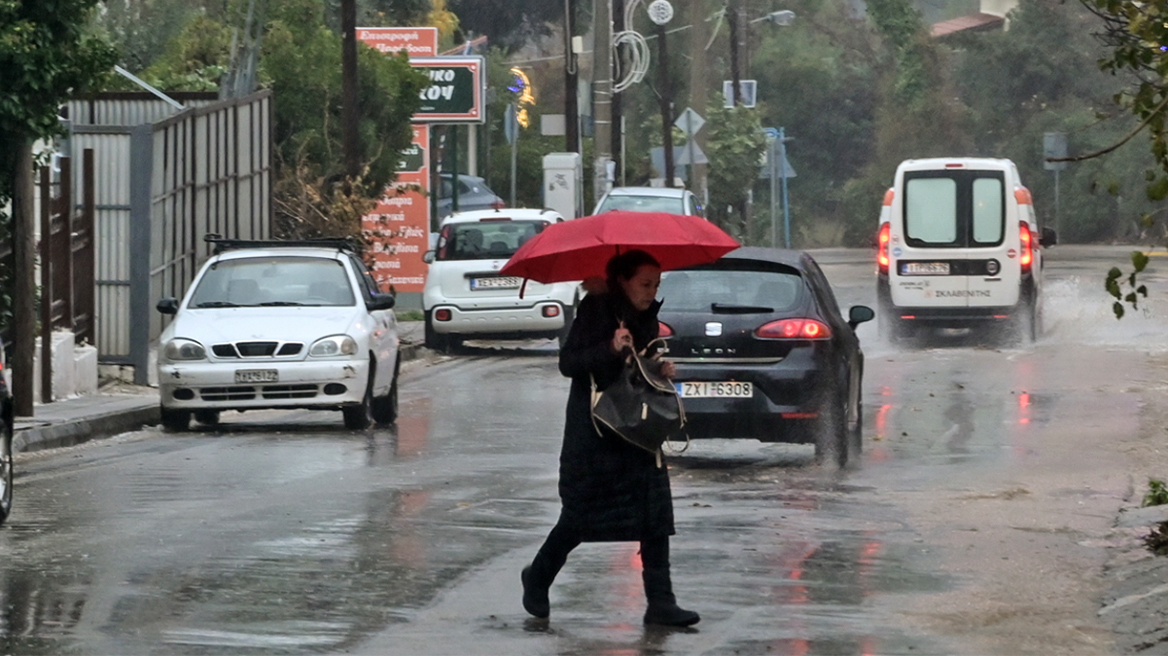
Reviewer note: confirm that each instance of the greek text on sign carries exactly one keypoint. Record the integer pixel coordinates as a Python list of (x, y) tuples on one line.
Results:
[(414, 41), (456, 91)]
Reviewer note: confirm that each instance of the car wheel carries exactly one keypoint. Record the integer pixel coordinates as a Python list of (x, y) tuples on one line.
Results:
[(855, 425), (6, 471), (1024, 328), (385, 407), (360, 417), (207, 417), (175, 421), (435, 341), (832, 439)]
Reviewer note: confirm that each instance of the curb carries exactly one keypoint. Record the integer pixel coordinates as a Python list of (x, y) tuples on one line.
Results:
[(69, 433)]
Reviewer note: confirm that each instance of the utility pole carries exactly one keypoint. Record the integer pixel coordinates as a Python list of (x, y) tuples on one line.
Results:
[(698, 90), (665, 99), (571, 82), (24, 312), (602, 95), (619, 65), (735, 74), (349, 110)]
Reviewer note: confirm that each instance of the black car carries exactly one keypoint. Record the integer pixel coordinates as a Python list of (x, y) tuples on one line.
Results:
[(763, 352), (6, 426)]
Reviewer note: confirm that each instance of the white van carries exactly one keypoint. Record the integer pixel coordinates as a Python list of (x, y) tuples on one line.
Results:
[(959, 247)]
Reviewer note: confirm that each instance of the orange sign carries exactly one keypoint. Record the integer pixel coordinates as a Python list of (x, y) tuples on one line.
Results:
[(399, 227), (414, 41)]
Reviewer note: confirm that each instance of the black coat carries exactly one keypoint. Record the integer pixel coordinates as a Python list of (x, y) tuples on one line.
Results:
[(611, 490)]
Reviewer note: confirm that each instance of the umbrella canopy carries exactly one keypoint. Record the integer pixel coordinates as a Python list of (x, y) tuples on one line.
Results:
[(579, 249)]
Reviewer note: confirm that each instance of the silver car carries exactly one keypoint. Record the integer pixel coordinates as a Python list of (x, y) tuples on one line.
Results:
[(650, 199)]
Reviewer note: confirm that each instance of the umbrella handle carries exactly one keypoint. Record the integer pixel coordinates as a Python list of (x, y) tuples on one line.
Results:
[(522, 288)]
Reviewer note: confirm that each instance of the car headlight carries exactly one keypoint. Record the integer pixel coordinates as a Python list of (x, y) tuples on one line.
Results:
[(333, 345), (184, 349)]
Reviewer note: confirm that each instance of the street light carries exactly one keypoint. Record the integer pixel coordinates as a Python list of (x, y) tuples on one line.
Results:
[(782, 17)]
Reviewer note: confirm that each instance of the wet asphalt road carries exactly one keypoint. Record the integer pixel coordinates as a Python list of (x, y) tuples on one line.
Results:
[(283, 533)]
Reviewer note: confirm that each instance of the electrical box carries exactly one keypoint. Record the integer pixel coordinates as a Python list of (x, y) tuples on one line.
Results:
[(563, 184)]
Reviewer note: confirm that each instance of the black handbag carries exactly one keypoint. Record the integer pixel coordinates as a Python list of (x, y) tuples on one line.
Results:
[(641, 406)]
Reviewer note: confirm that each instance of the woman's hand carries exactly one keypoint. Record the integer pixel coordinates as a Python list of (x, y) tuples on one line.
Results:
[(668, 369), (621, 339)]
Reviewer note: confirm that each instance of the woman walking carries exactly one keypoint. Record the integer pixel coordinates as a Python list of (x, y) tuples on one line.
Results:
[(610, 489)]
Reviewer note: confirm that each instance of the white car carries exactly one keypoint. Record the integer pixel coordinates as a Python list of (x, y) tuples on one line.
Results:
[(466, 298), (280, 325), (650, 199)]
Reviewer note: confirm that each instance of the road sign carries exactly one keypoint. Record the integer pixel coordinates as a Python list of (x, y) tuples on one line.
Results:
[(456, 91), (689, 121), (748, 89), (684, 154), (511, 124), (414, 41), (1054, 144)]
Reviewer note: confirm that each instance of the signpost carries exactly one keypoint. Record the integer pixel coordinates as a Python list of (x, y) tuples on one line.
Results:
[(456, 91), (1054, 144), (778, 169), (399, 227)]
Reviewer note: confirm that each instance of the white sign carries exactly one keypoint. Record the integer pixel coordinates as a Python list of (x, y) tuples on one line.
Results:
[(690, 121), (747, 89)]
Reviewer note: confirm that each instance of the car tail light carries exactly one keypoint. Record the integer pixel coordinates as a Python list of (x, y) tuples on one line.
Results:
[(498, 205), (663, 330), (794, 329), (882, 246), (1025, 239), (442, 315), (551, 311)]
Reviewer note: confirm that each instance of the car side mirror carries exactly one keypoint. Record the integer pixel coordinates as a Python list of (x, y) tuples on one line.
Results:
[(168, 305), (428, 257), (381, 302), (858, 314), (1049, 238)]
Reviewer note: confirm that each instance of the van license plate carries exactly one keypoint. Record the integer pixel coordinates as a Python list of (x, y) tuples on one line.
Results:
[(924, 269), (498, 282), (717, 390), (257, 376)]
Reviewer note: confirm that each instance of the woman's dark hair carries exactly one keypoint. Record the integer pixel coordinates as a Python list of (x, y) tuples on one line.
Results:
[(625, 266)]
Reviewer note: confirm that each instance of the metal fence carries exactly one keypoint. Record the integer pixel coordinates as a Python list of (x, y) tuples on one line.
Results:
[(160, 187)]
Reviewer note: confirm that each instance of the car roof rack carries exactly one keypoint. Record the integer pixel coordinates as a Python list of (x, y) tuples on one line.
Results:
[(222, 244)]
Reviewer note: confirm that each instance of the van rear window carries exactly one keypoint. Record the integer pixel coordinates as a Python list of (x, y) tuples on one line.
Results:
[(954, 209)]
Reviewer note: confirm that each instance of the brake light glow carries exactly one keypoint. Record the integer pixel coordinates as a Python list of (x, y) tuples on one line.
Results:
[(663, 330), (1025, 239), (794, 329), (882, 247)]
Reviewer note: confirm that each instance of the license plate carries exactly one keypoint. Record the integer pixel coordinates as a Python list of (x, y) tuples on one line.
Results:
[(256, 375), (497, 282), (925, 268), (718, 390)]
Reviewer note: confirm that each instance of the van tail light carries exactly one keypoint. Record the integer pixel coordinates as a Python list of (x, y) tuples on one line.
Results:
[(794, 329), (1025, 239), (663, 330), (882, 246)]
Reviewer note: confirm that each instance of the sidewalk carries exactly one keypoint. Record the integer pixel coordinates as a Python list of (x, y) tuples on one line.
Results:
[(118, 408)]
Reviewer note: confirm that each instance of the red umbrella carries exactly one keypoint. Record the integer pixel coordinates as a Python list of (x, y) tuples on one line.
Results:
[(579, 249)]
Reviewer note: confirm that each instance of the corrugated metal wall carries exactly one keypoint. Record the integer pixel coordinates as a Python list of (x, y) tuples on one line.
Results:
[(131, 108), (162, 186)]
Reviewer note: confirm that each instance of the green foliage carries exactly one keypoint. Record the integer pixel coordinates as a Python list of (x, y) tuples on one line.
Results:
[(1136, 290), (508, 23), (1157, 493), (195, 60), (302, 61), (734, 147), (46, 56)]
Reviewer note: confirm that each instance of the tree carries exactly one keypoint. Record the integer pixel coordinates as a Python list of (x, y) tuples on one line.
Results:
[(508, 23), (46, 56), (734, 147)]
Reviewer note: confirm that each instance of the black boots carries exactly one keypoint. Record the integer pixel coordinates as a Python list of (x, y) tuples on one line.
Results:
[(536, 582), (663, 608)]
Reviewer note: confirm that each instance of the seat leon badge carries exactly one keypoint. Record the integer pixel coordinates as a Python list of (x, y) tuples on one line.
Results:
[(714, 329)]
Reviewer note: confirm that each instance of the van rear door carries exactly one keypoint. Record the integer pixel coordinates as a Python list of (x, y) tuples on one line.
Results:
[(953, 223)]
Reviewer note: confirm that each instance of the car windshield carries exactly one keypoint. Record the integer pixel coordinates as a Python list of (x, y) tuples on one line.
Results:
[(709, 290), (274, 281), (642, 204), (485, 240)]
